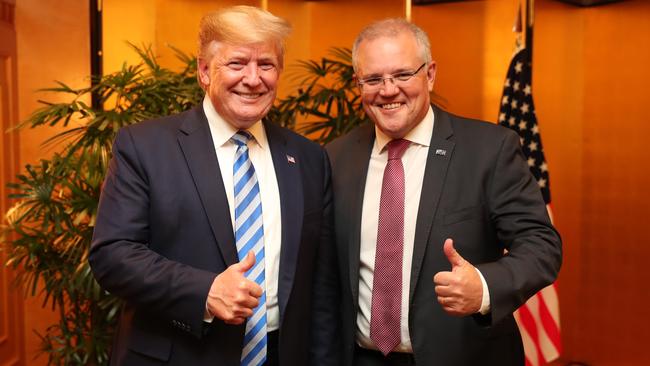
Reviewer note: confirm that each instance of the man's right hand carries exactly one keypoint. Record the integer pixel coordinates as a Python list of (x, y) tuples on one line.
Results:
[(232, 296)]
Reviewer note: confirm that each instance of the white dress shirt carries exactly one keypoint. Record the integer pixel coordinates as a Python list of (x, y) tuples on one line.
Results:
[(414, 161), (260, 155)]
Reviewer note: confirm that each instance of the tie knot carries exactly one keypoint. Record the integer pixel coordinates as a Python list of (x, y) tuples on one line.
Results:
[(241, 138), (396, 148)]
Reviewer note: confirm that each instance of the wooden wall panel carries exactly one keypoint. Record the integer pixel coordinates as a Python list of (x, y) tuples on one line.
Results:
[(52, 42), (11, 311), (12, 350), (558, 86), (336, 23), (590, 80), (612, 276), (156, 23), (456, 32)]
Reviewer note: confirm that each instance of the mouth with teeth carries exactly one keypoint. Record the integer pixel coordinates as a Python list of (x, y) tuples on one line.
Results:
[(249, 95), (389, 106)]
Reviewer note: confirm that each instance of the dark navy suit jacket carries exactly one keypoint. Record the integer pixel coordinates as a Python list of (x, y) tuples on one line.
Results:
[(163, 233)]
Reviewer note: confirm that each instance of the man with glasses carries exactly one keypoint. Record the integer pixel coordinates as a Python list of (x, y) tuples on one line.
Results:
[(441, 229)]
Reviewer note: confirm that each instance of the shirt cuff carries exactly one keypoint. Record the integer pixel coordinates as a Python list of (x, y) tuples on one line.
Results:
[(208, 318), (485, 301)]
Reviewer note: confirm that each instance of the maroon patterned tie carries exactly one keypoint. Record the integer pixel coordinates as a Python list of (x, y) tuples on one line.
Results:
[(387, 283)]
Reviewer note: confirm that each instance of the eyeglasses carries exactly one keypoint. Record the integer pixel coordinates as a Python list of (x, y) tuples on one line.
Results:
[(373, 83)]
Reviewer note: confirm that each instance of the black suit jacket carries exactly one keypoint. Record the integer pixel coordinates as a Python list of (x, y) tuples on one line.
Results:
[(164, 232), (477, 190)]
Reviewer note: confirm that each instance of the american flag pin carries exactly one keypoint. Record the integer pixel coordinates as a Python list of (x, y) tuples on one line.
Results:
[(291, 159), (441, 152)]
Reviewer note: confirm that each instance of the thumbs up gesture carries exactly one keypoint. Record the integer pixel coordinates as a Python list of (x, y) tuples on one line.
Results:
[(460, 290), (232, 296)]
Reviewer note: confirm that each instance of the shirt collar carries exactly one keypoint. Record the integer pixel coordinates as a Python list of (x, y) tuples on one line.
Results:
[(420, 134), (222, 131)]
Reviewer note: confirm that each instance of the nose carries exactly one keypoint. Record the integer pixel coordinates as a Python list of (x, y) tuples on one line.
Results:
[(388, 87), (251, 75)]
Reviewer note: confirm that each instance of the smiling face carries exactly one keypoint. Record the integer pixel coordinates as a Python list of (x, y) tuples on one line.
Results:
[(241, 80), (396, 107)]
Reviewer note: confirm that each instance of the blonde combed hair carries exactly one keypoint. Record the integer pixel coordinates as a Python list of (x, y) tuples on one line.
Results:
[(242, 24)]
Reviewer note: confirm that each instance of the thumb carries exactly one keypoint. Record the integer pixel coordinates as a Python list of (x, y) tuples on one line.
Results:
[(452, 255), (248, 262)]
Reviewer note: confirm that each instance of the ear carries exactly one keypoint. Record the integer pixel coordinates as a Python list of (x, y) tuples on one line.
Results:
[(203, 68), (431, 74)]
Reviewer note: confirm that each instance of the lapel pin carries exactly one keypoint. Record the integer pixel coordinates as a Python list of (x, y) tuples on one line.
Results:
[(291, 159), (441, 152)]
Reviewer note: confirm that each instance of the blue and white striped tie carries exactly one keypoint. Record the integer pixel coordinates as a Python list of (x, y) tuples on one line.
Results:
[(249, 235)]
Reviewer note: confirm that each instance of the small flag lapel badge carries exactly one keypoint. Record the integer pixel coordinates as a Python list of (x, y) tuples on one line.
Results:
[(291, 159)]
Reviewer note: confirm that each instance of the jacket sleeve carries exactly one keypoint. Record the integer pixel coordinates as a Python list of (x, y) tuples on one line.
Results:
[(534, 248), (120, 255)]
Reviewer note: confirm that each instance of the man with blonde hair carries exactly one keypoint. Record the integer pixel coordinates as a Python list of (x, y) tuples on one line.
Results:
[(425, 204), (214, 226)]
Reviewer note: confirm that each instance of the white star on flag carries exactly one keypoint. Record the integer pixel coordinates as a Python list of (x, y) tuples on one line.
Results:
[(522, 125), (543, 167)]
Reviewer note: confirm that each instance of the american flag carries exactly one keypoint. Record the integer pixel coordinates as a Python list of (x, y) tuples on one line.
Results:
[(539, 318)]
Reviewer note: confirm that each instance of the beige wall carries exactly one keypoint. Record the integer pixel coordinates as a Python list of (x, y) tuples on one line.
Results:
[(590, 78)]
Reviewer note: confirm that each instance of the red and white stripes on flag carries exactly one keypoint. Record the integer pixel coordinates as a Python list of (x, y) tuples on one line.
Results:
[(539, 318), (539, 325)]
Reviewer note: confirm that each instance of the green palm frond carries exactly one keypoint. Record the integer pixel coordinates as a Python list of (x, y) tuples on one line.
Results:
[(326, 103), (49, 227)]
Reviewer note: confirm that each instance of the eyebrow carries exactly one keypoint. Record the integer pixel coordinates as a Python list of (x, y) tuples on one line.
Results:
[(268, 58)]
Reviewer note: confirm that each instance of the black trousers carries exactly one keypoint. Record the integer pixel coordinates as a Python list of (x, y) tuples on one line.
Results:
[(367, 357)]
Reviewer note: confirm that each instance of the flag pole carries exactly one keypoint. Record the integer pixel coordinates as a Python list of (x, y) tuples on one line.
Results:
[(530, 7), (407, 10)]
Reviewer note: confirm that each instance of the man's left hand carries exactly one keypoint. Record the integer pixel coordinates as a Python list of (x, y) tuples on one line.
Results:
[(460, 291)]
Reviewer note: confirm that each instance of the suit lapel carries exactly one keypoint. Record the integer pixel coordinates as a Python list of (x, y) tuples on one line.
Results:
[(287, 173), (434, 178), (359, 158), (196, 143)]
